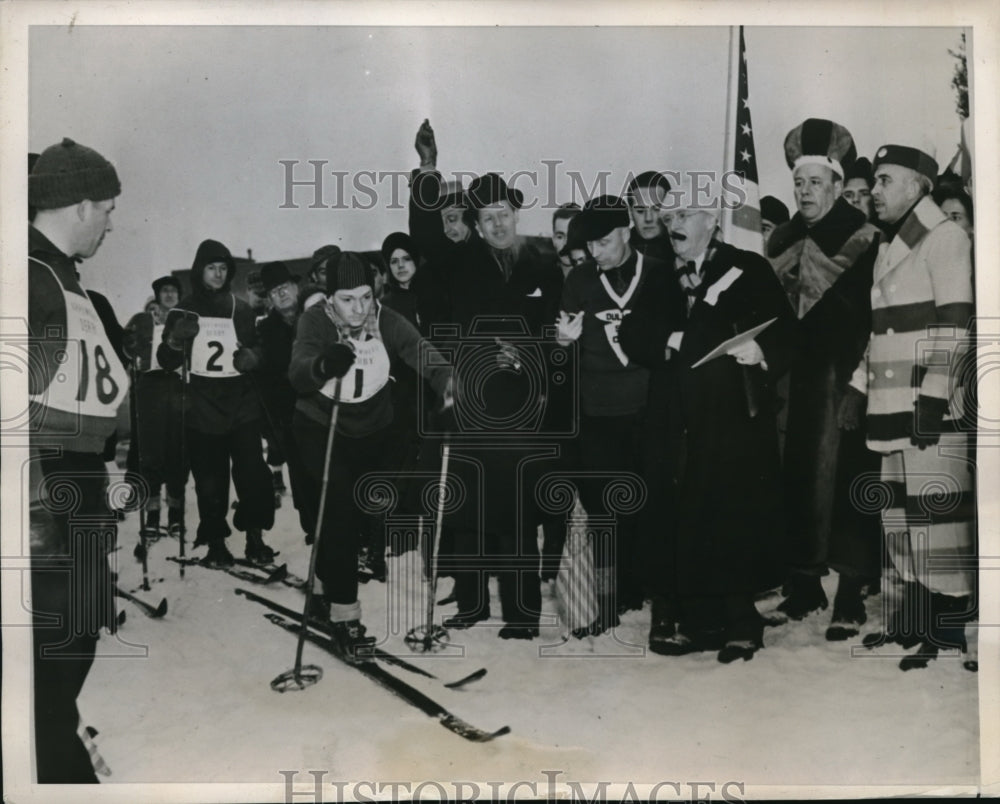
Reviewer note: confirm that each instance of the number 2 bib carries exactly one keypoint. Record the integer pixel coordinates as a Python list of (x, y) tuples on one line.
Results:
[(213, 348), (90, 380), (367, 376)]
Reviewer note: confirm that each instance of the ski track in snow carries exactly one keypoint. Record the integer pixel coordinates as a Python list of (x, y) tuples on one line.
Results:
[(199, 707)]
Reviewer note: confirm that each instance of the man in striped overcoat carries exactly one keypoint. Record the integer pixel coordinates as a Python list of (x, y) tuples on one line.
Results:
[(922, 305)]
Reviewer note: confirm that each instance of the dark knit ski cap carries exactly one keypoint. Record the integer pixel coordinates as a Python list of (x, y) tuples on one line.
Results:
[(820, 142), (771, 209), (351, 271), (490, 188), (274, 274), (67, 173), (907, 157), (600, 216), (861, 169), (164, 281), (649, 178), (399, 240)]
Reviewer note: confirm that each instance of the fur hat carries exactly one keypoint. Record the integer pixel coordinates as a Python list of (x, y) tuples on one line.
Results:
[(820, 142)]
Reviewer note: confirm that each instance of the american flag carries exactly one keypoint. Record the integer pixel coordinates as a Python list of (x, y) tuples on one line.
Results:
[(741, 227)]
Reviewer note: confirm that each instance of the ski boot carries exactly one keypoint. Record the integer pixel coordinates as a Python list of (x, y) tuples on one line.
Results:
[(256, 551), (349, 639), (175, 522), (218, 556), (151, 526)]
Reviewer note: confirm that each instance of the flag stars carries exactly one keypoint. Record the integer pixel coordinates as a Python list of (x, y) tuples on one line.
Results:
[(745, 155), (746, 129)]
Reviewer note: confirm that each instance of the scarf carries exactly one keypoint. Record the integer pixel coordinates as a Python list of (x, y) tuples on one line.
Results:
[(368, 327)]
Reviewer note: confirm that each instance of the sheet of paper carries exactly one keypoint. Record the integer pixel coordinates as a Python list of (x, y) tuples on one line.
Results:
[(737, 340)]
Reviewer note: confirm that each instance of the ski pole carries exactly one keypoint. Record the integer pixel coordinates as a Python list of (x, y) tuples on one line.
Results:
[(301, 677), (433, 637), (182, 469), (133, 400)]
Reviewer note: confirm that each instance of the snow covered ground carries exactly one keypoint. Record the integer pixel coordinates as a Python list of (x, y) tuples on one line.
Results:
[(187, 699)]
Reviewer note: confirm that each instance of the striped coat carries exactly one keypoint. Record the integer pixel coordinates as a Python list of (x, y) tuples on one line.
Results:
[(921, 309)]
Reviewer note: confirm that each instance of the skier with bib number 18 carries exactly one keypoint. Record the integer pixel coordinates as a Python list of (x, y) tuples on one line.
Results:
[(214, 330)]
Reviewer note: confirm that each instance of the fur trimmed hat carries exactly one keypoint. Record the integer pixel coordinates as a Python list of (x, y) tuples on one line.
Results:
[(820, 142)]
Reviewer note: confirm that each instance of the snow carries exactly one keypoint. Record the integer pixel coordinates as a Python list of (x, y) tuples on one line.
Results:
[(187, 698)]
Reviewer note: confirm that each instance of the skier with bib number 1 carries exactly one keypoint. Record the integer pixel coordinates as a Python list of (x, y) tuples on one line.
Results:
[(214, 330)]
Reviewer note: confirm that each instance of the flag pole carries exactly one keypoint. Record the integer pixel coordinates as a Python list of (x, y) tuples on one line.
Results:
[(729, 144)]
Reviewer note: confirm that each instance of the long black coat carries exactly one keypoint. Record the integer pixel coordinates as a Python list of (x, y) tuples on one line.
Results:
[(515, 309), (820, 460), (713, 523)]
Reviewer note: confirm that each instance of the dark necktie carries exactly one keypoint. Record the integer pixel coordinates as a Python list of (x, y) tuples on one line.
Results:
[(687, 275)]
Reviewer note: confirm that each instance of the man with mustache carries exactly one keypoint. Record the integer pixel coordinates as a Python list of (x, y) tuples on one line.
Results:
[(922, 309), (823, 257), (718, 492)]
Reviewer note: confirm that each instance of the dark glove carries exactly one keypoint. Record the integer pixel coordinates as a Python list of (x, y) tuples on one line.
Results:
[(183, 332), (245, 360), (135, 344), (927, 417), (334, 362), (851, 409)]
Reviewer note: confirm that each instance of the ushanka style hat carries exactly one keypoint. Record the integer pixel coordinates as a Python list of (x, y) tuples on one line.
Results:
[(820, 142)]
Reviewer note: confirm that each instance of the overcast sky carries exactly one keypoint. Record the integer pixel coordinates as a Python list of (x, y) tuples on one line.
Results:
[(197, 120)]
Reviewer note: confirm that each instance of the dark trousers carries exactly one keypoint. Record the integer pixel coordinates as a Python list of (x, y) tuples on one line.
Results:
[(71, 601), (734, 615), (515, 567), (610, 444), (156, 448), (305, 488), (211, 455), (343, 520)]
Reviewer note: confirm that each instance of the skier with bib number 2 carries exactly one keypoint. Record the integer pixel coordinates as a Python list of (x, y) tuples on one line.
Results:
[(215, 331)]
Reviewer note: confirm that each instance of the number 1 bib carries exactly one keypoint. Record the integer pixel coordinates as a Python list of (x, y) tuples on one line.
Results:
[(213, 348), (368, 374)]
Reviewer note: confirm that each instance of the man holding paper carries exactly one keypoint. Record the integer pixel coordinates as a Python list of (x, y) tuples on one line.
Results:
[(714, 542)]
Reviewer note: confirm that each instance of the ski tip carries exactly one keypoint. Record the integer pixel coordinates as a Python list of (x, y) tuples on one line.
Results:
[(460, 683), (160, 610)]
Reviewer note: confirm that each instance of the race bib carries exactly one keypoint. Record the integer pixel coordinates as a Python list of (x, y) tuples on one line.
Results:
[(90, 379), (213, 348), (366, 377)]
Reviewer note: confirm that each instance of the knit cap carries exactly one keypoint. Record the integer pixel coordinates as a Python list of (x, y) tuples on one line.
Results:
[(351, 271), (68, 173)]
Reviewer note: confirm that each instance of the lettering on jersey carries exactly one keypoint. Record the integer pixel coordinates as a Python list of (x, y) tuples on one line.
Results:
[(612, 321)]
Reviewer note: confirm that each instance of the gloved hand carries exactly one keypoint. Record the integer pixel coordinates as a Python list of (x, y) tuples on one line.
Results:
[(851, 409), (927, 417), (183, 332), (135, 344), (334, 362), (245, 360)]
